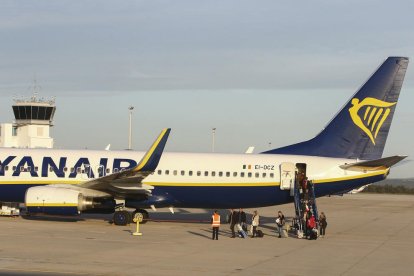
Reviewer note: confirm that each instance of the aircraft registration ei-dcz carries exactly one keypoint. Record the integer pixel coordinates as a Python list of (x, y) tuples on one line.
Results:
[(345, 155)]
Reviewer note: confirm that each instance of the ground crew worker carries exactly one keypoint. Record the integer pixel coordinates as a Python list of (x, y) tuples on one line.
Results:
[(215, 223)]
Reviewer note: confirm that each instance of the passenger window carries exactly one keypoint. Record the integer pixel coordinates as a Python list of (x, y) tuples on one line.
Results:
[(242, 174), (72, 170), (29, 168), (190, 173), (256, 175), (167, 172), (198, 173), (6, 168), (264, 175), (213, 173), (206, 173), (21, 168), (14, 168), (78, 170), (50, 169), (175, 172), (235, 174), (116, 170), (227, 174), (271, 175), (159, 172), (220, 174), (65, 169), (249, 175), (182, 172), (108, 170)]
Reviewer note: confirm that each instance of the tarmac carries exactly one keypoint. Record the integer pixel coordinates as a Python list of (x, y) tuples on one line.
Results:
[(367, 234)]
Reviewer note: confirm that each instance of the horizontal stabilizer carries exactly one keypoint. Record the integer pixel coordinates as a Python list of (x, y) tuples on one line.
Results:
[(373, 165)]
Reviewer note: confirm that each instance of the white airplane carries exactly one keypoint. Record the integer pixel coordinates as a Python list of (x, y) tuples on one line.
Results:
[(345, 155)]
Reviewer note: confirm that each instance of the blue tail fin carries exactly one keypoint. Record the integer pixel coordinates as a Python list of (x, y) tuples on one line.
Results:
[(361, 128)]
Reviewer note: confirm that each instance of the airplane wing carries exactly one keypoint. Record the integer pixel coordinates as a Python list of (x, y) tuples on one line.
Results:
[(373, 165), (129, 182)]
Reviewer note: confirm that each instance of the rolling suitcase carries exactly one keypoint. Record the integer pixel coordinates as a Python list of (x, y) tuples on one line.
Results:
[(241, 232)]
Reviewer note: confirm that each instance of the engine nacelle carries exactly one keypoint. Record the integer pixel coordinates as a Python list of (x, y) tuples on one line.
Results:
[(65, 201)]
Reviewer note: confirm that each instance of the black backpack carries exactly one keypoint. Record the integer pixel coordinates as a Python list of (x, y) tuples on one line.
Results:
[(259, 233)]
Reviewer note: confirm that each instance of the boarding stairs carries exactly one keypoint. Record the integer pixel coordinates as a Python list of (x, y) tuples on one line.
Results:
[(304, 200)]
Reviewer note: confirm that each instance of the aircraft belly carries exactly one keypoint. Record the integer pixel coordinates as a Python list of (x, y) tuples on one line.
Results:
[(13, 192)]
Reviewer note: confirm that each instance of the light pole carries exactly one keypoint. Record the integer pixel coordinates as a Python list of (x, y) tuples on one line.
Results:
[(130, 127), (214, 139)]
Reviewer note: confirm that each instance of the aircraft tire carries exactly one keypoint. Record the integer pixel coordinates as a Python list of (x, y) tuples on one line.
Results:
[(144, 213), (122, 218)]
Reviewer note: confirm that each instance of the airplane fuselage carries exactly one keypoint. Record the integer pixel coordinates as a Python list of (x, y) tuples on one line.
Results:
[(192, 180)]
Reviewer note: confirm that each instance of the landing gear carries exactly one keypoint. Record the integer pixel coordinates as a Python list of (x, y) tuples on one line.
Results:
[(144, 213), (122, 218)]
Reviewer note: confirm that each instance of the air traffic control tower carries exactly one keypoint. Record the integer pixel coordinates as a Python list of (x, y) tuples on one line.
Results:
[(31, 127)]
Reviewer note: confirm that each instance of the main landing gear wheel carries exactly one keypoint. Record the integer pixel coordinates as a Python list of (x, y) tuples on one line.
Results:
[(122, 218), (144, 213)]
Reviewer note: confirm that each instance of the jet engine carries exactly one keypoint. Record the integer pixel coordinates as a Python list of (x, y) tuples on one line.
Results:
[(65, 201)]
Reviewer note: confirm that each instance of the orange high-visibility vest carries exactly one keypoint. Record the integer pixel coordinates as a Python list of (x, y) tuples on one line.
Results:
[(216, 220)]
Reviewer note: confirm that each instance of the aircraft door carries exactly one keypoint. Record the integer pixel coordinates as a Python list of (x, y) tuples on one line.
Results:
[(287, 176)]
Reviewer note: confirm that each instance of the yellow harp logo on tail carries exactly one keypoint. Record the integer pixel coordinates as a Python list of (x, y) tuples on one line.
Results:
[(376, 112)]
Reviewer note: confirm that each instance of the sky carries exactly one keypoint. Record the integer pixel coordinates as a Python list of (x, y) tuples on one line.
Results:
[(264, 73)]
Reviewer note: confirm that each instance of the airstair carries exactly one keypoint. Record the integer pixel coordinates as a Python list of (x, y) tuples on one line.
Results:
[(292, 178), (305, 202)]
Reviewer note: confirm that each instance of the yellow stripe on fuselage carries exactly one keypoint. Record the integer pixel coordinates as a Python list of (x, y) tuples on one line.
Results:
[(51, 204), (33, 182), (205, 184), (330, 180)]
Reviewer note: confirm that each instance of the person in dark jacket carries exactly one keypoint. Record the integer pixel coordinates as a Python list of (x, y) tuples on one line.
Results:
[(242, 219), (322, 223), (234, 219)]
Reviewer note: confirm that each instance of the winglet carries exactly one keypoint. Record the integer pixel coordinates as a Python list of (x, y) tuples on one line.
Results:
[(151, 159)]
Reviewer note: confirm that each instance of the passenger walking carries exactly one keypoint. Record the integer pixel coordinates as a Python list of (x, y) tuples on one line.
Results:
[(255, 223), (323, 223), (215, 223), (234, 219), (242, 219), (280, 222)]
